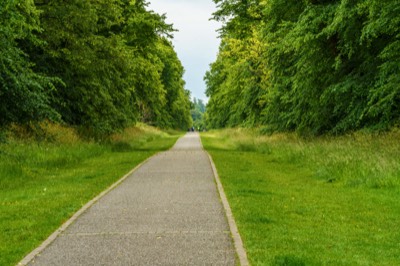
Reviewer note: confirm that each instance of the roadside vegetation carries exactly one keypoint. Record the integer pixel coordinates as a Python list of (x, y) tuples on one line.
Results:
[(43, 182), (100, 65), (313, 67), (319, 201)]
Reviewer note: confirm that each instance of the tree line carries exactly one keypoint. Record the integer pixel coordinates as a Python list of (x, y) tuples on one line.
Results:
[(101, 65), (197, 111), (311, 66)]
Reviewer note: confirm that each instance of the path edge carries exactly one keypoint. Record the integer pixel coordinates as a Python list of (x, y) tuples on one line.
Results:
[(237, 240), (31, 256)]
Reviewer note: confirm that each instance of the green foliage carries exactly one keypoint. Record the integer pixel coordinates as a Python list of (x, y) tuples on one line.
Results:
[(310, 66), (24, 93), (93, 66), (112, 60), (197, 111), (176, 112), (234, 83)]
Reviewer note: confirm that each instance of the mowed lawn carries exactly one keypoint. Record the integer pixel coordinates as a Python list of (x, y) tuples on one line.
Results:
[(42, 184), (322, 201)]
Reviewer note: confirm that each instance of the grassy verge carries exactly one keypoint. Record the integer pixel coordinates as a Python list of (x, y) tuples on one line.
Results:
[(42, 184), (326, 201)]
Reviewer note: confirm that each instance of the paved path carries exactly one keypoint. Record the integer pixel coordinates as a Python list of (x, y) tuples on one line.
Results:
[(167, 212)]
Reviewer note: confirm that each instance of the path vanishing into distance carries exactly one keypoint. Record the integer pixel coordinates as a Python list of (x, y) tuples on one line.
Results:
[(168, 211)]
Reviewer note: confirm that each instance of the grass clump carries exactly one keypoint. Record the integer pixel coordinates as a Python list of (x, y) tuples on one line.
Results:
[(322, 201), (44, 182)]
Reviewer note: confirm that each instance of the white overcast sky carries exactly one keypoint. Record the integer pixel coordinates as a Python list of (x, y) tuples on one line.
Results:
[(196, 41)]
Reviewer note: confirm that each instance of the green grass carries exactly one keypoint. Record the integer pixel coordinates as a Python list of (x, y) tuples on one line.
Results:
[(42, 184), (325, 201)]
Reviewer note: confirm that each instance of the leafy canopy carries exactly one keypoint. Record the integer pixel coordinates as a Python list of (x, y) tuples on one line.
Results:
[(310, 66)]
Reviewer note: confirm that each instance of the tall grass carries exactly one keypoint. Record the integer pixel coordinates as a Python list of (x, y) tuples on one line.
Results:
[(43, 182), (358, 159), (322, 201)]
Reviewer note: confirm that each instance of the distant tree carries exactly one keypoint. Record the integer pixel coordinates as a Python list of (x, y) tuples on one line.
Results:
[(197, 112)]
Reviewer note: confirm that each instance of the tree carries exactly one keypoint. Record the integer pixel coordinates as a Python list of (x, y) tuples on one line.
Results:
[(24, 94), (110, 56), (235, 80), (86, 49), (176, 113), (112, 63), (309, 66), (197, 112)]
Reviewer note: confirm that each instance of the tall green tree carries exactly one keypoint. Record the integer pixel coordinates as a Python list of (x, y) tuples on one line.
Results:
[(24, 94), (198, 110), (91, 59), (234, 82), (107, 53), (322, 66), (176, 113), (112, 63)]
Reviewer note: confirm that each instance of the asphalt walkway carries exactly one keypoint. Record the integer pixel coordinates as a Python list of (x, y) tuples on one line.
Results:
[(167, 212)]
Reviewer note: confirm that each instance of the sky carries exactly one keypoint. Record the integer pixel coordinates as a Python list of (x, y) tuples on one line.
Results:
[(196, 41)]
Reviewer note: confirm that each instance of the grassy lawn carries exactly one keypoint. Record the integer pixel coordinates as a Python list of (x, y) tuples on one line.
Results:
[(42, 184), (326, 201)]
